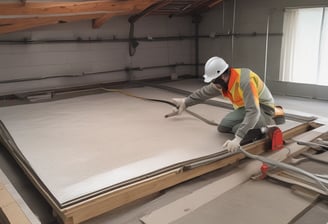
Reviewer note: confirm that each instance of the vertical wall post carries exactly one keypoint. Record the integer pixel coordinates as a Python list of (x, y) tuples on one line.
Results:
[(196, 20), (266, 49), (233, 32)]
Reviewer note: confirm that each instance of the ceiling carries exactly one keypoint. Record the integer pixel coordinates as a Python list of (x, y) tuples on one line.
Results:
[(24, 14)]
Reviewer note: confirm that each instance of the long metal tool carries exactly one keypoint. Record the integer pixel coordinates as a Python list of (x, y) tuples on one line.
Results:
[(320, 141), (285, 166), (174, 113), (313, 144)]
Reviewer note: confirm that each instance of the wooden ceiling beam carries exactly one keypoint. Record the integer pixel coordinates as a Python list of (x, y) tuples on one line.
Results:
[(194, 7), (149, 10), (16, 16), (13, 25), (25, 14), (214, 3), (197, 7), (98, 22), (46, 8)]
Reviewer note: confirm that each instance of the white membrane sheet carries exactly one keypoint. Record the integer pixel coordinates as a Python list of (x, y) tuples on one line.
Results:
[(83, 145)]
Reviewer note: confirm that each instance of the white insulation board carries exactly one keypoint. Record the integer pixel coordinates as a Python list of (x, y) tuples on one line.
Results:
[(82, 145)]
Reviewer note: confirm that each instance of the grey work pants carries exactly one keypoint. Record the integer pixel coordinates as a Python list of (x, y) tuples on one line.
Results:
[(231, 122)]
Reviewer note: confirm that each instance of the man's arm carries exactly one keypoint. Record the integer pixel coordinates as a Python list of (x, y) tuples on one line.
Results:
[(202, 94)]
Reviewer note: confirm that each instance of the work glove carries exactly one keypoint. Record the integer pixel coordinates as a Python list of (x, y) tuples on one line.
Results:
[(180, 103), (232, 145)]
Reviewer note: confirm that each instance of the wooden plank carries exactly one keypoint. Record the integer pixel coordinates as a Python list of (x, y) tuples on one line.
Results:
[(98, 22), (12, 25), (193, 201), (292, 179), (149, 10), (255, 202), (15, 214), (9, 194), (214, 3), (16, 17), (46, 8), (10, 208), (202, 196)]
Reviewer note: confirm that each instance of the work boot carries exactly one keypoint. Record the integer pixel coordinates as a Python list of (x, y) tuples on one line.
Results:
[(279, 115)]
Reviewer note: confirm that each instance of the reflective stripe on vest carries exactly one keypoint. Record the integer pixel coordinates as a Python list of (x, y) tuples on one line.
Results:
[(235, 93)]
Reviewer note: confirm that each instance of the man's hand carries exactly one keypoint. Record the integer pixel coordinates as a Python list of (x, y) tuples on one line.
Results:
[(180, 103), (232, 145)]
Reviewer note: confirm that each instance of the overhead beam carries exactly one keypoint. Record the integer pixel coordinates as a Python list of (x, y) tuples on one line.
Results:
[(198, 7), (16, 17), (96, 23), (46, 8), (214, 3), (100, 21), (12, 25), (149, 10), (194, 7)]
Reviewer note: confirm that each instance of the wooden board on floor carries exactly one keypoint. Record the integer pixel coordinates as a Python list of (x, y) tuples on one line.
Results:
[(201, 197), (111, 200), (255, 202), (11, 205)]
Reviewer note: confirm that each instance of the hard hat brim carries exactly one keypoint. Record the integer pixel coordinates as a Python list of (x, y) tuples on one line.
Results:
[(208, 79)]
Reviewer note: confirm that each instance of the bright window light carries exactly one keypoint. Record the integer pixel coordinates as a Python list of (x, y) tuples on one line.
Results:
[(304, 56)]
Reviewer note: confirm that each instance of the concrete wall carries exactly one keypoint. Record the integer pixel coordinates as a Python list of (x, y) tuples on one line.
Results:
[(26, 61), (37, 60), (251, 16)]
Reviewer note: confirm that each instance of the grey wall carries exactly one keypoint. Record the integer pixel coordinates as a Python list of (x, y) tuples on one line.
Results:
[(37, 60), (251, 16), (26, 61)]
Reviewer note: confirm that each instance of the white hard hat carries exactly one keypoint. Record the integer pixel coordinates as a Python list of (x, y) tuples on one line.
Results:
[(214, 67)]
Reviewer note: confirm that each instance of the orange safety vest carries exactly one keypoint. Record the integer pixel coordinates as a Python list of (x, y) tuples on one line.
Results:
[(235, 92)]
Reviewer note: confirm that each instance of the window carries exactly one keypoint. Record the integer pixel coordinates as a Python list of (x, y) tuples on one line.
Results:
[(304, 55)]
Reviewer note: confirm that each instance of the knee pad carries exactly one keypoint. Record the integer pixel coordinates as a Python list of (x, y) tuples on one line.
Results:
[(224, 129)]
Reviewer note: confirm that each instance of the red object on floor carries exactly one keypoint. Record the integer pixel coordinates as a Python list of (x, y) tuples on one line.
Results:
[(264, 170), (277, 142)]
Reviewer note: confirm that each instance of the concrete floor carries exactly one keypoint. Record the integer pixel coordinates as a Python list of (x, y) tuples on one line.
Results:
[(318, 213), (318, 108)]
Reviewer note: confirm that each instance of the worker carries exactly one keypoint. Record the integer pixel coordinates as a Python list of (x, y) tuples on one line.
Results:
[(251, 99)]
